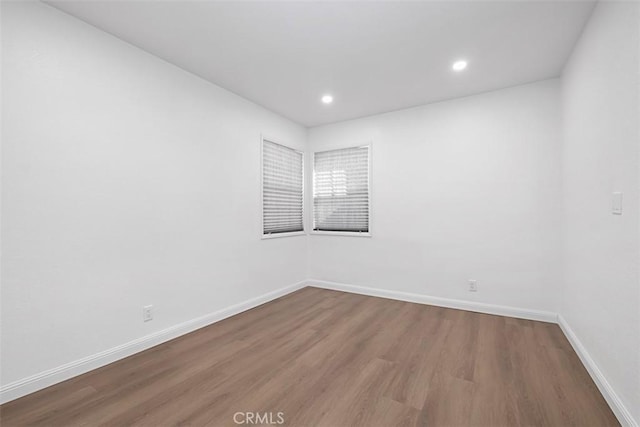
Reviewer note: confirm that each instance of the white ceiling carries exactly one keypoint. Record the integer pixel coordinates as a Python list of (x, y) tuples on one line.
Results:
[(373, 57)]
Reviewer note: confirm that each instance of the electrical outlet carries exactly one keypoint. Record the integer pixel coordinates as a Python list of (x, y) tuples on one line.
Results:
[(473, 286), (147, 313), (616, 209)]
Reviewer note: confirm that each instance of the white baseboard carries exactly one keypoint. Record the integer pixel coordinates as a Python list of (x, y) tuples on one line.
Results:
[(53, 376), (500, 310), (616, 405)]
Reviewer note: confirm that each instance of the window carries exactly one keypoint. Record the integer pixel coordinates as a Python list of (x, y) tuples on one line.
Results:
[(282, 189), (341, 190)]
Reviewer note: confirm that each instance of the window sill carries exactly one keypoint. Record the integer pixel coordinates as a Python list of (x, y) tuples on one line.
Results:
[(340, 233), (278, 235)]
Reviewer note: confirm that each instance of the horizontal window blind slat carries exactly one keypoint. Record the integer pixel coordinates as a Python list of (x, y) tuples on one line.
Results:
[(282, 207), (352, 223), (340, 200), (282, 212), (364, 202), (276, 204), (359, 225), (281, 196), (283, 224), (275, 181), (285, 191)]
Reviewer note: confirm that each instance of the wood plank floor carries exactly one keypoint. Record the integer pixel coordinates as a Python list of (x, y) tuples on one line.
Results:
[(326, 358)]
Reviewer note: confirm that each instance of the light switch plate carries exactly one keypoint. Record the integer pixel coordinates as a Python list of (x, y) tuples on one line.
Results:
[(617, 203)]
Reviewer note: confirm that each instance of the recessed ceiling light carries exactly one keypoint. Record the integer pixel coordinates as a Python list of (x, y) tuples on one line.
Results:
[(327, 99), (459, 65)]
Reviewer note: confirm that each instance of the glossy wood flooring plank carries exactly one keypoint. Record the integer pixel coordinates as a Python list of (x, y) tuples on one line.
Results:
[(328, 358)]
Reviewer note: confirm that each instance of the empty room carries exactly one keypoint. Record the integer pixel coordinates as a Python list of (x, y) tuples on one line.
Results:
[(320, 213)]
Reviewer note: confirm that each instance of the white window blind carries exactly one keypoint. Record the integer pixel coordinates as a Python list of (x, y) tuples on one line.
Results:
[(282, 189), (341, 190)]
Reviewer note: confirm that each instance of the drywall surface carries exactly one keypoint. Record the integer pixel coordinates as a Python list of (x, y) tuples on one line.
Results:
[(126, 181), (463, 189), (601, 292)]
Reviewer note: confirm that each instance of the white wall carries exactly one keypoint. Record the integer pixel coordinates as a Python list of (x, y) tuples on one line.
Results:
[(601, 292), (463, 189), (126, 181)]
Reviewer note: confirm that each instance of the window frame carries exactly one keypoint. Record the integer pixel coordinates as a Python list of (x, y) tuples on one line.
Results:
[(303, 232), (369, 145)]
